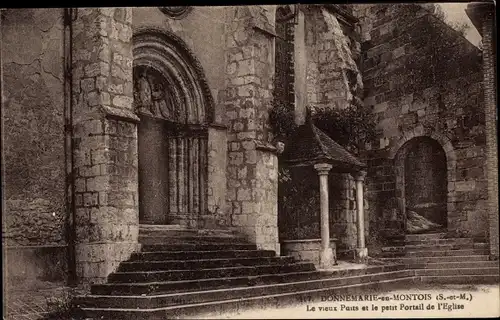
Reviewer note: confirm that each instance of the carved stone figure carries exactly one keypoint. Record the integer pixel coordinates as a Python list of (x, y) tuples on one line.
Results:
[(143, 93), (158, 91)]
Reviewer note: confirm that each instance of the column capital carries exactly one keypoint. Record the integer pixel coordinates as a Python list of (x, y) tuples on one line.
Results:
[(360, 176), (322, 168)]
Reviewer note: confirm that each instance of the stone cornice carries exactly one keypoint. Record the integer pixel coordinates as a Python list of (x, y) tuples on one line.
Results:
[(217, 126), (120, 114), (264, 29), (265, 146), (260, 23)]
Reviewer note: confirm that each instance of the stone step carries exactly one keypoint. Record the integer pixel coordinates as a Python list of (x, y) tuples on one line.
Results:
[(197, 284), (186, 286), (163, 300), (435, 253), (457, 272), (349, 272), (435, 247), (177, 230), (425, 236), (452, 265), (179, 275), (201, 264), (162, 227), (444, 259), (433, 241), (440, 253), (198, 247), (217, 307), (199, 255), (463, 279), (192, 239)]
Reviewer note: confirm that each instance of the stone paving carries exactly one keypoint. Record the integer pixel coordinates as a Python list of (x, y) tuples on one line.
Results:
[(21, 304)]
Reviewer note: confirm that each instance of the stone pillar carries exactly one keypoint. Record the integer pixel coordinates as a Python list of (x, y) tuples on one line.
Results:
[(217, 163), (105, 141), (490, 105), (361, 250), (252, 165), (300, 70), (326, 253)]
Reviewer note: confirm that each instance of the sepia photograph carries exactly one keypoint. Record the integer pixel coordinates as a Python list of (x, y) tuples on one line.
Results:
[(266, 161)]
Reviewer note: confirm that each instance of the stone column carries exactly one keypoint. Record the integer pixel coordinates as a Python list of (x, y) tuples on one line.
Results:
[(326, 253), (361, 250)]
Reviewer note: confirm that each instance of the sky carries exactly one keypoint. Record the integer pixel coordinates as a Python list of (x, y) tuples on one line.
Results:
[(455, 12)]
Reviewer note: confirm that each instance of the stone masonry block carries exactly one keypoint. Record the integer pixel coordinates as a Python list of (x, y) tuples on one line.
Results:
[(248, 207), (244, 194), (90, 199)]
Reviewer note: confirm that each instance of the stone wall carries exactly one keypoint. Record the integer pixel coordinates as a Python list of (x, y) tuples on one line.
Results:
[(217, 163), (105, 141), (423, 79), (265, 195), (33, 112), (249, 70), (343, 212)]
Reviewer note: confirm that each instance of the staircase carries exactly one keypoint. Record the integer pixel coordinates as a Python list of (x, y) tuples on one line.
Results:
[(181, 273), (435, 258)]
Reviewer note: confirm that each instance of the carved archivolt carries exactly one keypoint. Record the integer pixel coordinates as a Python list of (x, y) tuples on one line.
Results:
[(169, 82)]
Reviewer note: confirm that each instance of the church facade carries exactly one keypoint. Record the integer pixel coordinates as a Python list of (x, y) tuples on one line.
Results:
[(119, 117)]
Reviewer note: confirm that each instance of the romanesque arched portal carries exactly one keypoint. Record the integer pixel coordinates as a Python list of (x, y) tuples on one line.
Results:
[(425, 180), (422, 175), (174, 112)]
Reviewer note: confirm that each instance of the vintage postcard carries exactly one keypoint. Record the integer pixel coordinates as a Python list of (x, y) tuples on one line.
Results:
[(289, 161)]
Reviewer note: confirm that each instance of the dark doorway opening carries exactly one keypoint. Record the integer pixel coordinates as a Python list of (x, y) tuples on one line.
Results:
[(426, 184)]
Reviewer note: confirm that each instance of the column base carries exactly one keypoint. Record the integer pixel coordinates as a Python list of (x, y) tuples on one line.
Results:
[(361, 255), (276, 247), (326, 258)]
